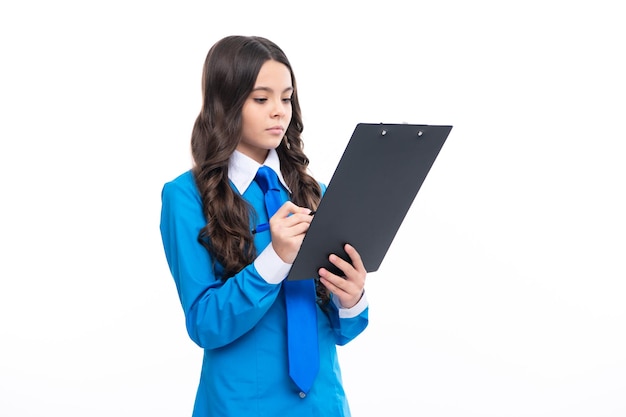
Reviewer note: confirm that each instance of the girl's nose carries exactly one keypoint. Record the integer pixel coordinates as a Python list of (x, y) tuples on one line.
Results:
[(278, 108)]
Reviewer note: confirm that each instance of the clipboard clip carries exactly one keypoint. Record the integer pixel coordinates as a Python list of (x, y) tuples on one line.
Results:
[(420, 133)]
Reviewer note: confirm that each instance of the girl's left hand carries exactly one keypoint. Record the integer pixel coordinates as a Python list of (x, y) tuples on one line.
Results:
[(348, 289)]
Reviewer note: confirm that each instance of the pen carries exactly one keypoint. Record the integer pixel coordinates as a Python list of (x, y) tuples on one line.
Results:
[(266, 226), (261, 228)]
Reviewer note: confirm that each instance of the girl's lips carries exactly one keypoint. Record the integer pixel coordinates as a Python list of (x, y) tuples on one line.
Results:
[(276, 130)]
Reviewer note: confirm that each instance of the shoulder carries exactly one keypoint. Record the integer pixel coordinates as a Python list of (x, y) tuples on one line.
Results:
[(182, 186), (183, 181)]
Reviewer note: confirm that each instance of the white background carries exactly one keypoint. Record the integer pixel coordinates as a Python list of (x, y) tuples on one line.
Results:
[(502, 295)]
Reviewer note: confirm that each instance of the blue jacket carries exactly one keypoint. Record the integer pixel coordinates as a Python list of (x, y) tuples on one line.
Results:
[(241, 322)]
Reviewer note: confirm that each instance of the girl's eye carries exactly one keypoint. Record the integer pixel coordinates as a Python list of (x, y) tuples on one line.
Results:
[(260, 100), (287, 99)]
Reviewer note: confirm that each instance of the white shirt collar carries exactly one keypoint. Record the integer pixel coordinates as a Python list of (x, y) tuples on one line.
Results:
[(242, 169)]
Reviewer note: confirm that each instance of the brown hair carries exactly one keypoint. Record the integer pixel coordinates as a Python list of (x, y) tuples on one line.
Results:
[(229, 74)]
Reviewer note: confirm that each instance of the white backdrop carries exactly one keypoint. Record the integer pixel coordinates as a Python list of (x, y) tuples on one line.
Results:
[(502, 294)]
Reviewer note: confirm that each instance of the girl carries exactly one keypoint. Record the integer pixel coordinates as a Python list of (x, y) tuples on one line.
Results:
[(229, 270)]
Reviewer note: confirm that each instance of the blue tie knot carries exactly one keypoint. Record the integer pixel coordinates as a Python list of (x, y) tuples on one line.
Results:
[(267, 179)]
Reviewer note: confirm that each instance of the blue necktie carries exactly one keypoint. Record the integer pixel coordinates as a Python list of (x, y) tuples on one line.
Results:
[(300, 302)]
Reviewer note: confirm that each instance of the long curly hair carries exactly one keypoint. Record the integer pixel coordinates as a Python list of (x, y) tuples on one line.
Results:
[(229, 74)]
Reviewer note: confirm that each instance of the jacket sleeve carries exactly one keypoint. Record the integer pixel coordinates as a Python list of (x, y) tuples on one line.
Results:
[(216, 312), (347, 327)]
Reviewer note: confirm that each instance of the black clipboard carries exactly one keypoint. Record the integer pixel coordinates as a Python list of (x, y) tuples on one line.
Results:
[(369, 194)]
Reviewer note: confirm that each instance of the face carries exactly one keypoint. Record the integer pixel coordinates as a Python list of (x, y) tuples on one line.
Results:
[(267, 111)]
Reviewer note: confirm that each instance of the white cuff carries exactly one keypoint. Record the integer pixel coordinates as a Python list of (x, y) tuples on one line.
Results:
[(348, 313), (271, 268)]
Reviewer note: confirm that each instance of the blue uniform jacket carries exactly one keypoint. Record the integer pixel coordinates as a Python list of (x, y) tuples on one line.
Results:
[(241, 323)]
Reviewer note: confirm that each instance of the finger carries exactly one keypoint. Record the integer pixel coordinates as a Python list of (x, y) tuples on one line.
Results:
[(355, 257), (288, 215), (348, 292), (333, 282), (294, 230), (289, 208), (291, 225), (296, 219), (343, 288), (340, 263)]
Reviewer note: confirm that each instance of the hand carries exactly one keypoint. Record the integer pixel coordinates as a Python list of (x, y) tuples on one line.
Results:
[(348, 289), (288, 227)]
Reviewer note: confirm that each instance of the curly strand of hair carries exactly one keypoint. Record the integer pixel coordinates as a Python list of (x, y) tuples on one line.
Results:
[(227, 234), (307, 192)]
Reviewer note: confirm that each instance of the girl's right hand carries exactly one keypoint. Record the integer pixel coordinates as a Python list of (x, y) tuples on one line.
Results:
[(288, 227)]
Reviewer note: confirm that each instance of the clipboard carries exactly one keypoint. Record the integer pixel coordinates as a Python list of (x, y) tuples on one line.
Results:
[(369, 194)]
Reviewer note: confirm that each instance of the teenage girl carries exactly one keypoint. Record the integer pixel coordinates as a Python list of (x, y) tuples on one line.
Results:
[(229, 272)]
